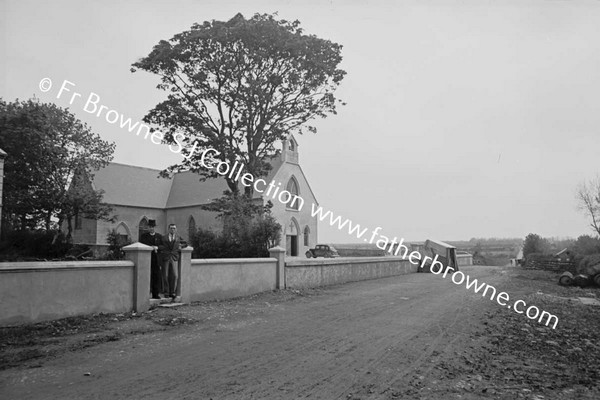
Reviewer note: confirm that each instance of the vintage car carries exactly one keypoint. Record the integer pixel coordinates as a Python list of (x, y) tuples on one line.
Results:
[(322, 250)]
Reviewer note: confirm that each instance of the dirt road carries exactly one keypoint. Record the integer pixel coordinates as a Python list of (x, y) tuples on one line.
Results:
[(381, 339)]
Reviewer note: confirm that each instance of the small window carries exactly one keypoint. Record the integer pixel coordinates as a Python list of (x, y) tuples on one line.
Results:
[(306, 235)]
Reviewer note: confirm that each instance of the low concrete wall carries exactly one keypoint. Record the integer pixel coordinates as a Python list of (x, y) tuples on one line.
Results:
[(227, 278), (39, 291), (328, 271), (359, 250)]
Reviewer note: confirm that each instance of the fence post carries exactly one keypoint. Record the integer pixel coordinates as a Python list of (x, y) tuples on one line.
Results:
[(279, 254), (184, 266), (140, 255)]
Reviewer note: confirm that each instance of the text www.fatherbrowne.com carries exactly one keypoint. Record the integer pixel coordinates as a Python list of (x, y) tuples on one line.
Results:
[(398, 248), (272, 190)]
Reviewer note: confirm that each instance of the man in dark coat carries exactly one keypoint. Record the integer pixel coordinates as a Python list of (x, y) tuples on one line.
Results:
[(151, 238), (168, 250)]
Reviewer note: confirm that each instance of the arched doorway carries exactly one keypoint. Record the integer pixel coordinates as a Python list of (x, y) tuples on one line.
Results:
[(291, 238)]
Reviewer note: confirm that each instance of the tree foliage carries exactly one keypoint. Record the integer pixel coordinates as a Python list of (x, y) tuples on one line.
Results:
[(25, 245), (586, 245), (249, 230), (46, 147), (588, 201), (535, 244), (115, 245), (240, 87)]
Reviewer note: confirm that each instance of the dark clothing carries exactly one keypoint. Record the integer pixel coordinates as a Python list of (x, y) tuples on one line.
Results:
[(169, 254), (156, 285)]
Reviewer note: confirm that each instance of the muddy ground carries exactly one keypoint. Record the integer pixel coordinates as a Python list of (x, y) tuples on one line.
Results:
[(409, 337)]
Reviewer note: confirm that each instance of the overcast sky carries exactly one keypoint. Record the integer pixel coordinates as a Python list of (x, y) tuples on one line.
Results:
[(464, 119)]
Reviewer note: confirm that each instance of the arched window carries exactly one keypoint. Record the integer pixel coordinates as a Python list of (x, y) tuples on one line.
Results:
[(306, 235), (142, 227), (123, 234), (291, 145), (191, 228), (295, 198)]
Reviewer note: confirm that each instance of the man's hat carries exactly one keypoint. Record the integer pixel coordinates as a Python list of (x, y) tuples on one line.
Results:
[(151, 222)]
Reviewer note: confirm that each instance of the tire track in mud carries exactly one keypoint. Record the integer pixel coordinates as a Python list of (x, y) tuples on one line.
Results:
[(338, 383)]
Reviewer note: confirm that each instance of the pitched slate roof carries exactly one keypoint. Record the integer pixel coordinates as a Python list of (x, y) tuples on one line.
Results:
[(187, 190), (130, 185)]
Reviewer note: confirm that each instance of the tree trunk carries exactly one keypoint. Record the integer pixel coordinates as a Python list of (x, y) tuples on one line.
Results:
[(69, 230), (233, 185), (47, 221)]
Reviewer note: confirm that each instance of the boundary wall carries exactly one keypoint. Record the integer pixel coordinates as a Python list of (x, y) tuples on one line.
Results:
[(227, 278), (37, 291), (41, 291), (331, 271)]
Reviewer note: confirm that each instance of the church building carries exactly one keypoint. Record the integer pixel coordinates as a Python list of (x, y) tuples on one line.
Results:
[(138, 195)]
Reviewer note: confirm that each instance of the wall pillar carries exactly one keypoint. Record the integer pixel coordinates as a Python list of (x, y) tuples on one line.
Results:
[(184, 266), (140, 255), (279, 254)]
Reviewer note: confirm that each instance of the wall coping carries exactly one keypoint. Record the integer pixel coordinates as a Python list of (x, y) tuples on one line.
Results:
[(28, 266), (200, 261), (315, 262)]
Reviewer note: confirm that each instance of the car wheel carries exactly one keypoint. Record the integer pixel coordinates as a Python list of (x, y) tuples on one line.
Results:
[(308, 254)]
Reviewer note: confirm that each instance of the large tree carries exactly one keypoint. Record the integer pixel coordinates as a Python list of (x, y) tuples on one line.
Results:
[(239, 87), (47, 147), (588, 201)]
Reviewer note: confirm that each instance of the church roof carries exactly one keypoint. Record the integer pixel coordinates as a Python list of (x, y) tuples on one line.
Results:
[(187, 190), (130, 185)]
